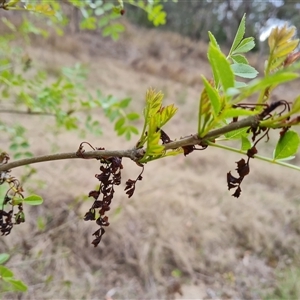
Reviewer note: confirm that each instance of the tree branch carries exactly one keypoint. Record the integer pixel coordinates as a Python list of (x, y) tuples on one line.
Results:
[(194, 139), (19, 112), (136, 154), (133, 154)]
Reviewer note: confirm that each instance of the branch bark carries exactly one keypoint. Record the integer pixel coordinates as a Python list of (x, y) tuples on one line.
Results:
[(136, 154)]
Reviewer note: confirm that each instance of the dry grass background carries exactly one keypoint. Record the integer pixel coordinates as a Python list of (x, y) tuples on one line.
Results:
[(181, 231)]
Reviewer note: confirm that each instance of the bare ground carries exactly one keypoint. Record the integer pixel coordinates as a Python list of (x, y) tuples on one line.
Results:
[(182, 235)]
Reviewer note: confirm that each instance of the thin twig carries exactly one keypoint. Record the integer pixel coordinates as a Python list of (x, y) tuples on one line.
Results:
[(19, 112), (136, 154)]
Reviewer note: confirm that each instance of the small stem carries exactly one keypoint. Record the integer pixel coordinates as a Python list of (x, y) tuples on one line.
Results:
[(270, 160), (194, 139), (19, 112)]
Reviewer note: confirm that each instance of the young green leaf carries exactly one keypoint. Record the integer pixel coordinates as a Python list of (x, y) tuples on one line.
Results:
[(133, 116), (120, 123), (166, 113), (244, 71), (236, 134), (33, 200), (245, 143), (213, 96), (246, 45), (5, 272), (237, 112), (258, 85), (239, 34), (18, 285), (239, 59), (124, 103), (296, 105), (285, 49), (213, 40), (287, 145), (221, 68), (237, 85), (133, 129)]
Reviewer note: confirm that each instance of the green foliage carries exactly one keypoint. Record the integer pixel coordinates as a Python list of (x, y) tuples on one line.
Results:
[(221, 97), (216, 99), (155, 117), (8, 283), (90, 12), (287, 146), (33, 200), (30, 90)]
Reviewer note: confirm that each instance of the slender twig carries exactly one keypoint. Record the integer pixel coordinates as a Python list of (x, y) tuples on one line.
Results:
[(194, 139), (133, 154), (136, 154), (19, 112)]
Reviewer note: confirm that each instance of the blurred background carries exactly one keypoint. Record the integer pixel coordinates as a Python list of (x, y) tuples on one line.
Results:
[(70, 77)]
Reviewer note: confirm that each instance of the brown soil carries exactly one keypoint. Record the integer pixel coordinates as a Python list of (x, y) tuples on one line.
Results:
[(182, 235)]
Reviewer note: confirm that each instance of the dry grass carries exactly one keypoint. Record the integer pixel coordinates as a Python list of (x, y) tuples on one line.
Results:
[(182, 220)]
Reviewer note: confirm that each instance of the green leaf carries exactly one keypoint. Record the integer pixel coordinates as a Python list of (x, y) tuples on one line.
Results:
[(12, 3), (166, 114), (120, 123), (133, 129), (133, 116), (5, 272), (18, 285), (258, 85), (221, 67), (237, 86), (33, 200), (296, 105), (108, 6), (107, 30), (121, 130), (3, 258), (244, 71), (124, 103), (213, 96), (213, 40), (287, 145), (157, 16), (237, 112), (245, 143), (103, 21), (245, 46), (239, 34), (239, 59), (117, 27), (236, 134), (88, 23)]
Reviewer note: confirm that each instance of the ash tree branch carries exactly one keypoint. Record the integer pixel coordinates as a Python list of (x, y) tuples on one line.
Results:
[(20, 112), (136, 154)]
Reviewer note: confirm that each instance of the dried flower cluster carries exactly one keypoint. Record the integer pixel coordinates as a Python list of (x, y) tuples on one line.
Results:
[(11, 199)]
